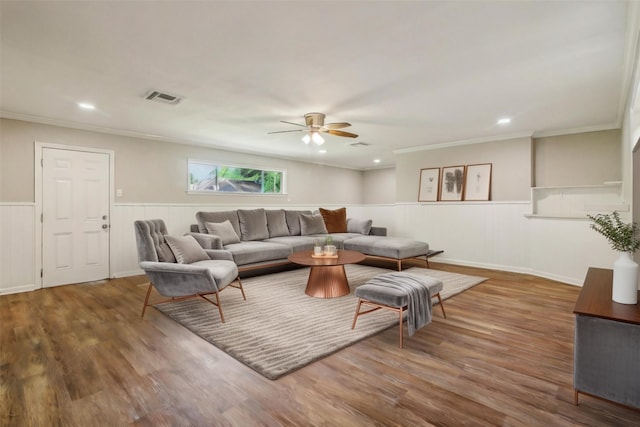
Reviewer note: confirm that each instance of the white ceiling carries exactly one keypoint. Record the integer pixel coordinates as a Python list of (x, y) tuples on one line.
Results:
[(404, 74)]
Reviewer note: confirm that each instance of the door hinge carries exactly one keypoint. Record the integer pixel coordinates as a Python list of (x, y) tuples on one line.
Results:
[(42, 162), (41, 273), (42, 217)]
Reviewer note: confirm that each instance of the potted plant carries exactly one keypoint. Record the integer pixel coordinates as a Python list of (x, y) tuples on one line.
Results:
[(317, 248), (623, 237), (329, 248)]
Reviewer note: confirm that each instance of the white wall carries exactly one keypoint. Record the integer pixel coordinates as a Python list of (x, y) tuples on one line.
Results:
[(17, 247), (499, 235), (18, 242), (490, 235), (493, 234), (153, 178)]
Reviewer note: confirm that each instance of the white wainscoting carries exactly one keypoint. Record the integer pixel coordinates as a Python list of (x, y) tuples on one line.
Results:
[(494, 235), (499, 235), (564, 249), (17, 247)]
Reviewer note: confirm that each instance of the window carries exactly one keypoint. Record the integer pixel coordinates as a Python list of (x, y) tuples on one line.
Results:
[(210, 177)]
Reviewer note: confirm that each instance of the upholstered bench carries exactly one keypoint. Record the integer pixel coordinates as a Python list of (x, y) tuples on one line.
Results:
[(382, 291), (396, 248)]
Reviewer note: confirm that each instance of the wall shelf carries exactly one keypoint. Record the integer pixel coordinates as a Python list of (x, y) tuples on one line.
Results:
[(577, 201)]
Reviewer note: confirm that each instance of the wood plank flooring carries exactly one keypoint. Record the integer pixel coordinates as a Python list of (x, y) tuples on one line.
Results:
[(79, 355)]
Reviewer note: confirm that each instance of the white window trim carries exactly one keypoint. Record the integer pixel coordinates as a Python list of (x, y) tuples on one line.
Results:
[(283, 184)]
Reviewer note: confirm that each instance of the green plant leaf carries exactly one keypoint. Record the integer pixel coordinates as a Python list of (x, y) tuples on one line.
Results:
[(622, 237)]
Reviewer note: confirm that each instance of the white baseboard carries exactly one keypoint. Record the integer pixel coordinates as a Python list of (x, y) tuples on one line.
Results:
[(511, 269), (121, 274), (18, 289)]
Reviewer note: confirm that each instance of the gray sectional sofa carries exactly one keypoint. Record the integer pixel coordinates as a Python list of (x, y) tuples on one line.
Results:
[(260, 238)]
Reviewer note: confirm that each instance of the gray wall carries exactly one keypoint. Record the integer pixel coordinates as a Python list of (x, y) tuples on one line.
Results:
[(156, 172), (379, 186), (578, 159), (589, 158), (510, 159)]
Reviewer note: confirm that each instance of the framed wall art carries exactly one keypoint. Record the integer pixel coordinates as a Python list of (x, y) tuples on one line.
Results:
[(429, 185), (452, 183), (477, 184)]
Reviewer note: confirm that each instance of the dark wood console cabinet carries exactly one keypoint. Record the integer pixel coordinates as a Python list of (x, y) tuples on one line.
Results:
[(606, 360)]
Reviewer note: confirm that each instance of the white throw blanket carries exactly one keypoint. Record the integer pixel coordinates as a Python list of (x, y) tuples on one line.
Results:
[(419, 302)]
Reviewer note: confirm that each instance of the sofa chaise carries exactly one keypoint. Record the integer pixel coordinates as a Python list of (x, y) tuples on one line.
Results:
[(260, 238)]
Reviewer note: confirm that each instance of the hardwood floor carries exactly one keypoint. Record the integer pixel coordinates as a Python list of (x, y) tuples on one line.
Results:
[(79, 355)]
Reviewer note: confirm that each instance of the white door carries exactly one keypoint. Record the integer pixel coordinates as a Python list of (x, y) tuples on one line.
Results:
[(75, 222)]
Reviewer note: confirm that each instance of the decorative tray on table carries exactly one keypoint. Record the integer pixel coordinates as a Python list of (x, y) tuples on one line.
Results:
[(326, 256)]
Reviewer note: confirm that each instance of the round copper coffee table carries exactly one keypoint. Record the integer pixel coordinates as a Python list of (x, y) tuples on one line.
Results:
[(327, 278)]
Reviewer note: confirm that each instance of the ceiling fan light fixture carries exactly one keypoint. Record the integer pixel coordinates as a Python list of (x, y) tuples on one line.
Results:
[(314, 126), (317, 138)]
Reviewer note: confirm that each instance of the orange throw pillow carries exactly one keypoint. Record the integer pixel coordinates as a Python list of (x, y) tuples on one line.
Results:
[(335, 220)]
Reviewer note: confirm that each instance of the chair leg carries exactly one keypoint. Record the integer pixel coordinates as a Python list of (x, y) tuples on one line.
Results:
[(241, 288), (219, 306), (377, 306), (216, 302), (146, 300), (355, 317), (441, 305), (401, 333)]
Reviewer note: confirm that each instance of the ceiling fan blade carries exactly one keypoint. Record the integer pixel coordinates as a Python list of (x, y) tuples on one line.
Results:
[(284, 131), (341, 133), (291, 123), (337, 125)]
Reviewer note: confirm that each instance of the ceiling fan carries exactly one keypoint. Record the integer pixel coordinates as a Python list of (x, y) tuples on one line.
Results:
[(314, 125)]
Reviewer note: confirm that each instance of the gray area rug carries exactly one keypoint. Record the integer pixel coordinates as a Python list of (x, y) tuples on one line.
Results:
[(279, 329)]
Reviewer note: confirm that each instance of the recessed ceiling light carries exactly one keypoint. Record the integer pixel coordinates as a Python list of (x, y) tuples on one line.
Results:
[(86, 106), (322, 151), (504, 121), (376, 161)]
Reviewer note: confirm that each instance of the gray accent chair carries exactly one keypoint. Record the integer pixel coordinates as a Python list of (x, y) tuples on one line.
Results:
[(182, 281)]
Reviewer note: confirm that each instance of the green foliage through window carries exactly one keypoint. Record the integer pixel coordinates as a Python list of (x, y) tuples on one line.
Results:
[(205, 176)]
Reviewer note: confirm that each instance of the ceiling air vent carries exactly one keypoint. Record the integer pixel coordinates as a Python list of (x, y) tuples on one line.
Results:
[(164, 97), (360, 144)]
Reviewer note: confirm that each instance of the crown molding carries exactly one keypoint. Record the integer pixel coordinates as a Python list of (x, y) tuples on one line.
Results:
[(558, 132), (472, 141)]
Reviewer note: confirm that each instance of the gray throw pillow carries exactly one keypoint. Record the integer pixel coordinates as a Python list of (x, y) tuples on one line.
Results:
[(293, 221), (277, 223), (165, 254), (253, 224), (224, 230), (312, 224), (216, 217), (362, 226), (186, 249)]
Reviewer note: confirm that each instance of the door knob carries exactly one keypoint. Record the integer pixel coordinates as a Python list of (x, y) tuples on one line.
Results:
[(105, 226), (104, 217)]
